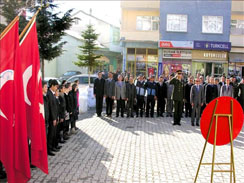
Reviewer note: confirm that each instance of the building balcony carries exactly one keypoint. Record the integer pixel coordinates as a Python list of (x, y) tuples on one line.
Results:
[(146, 5), (237, 40), (140, 35)]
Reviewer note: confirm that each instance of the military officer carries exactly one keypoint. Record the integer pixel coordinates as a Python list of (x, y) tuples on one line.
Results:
[(177, 96)]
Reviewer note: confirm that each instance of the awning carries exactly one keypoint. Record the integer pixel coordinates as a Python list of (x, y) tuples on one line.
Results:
[(236, 57)]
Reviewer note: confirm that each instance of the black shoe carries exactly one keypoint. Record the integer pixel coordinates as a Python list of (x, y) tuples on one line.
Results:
[(55, 150), (32, 166), (175, 124), (132, 116), (122, 116), (171, 115), (66, 137), (162, 115), (192, 124), (62, 141), (3, 175), (50, 153), (147, 116), (58, 147), (137, 116), (197, 124), (179, 124), (117, 116)]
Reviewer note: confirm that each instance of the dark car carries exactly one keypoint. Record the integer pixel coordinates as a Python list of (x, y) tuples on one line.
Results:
[(68, 74)]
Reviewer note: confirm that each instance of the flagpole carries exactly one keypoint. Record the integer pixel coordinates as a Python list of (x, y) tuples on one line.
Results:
[(29, 23), (5, 31)]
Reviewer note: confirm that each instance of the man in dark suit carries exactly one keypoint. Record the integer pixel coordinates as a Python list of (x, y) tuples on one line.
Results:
[(98, 91), (3, 174), (188, 107), (178, 95), (162, 96), (109, 93), (196, 100), (222, 82), (211, 91), (53, 111)]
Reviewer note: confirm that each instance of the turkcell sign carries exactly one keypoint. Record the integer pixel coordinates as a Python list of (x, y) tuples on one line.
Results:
[(212, 45), (175, 44)]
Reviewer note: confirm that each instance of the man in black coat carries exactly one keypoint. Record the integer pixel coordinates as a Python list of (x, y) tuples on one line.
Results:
[(211, 91), (162, 96), (131, 97), (152, 92), (188, 107), (98, 91), (53, 111), (140, 94), (3, 174), (46, 104)]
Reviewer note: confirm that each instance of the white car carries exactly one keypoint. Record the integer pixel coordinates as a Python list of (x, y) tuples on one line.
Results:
[(83, 80)]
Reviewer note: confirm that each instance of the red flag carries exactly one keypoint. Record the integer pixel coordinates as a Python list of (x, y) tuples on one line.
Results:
[(13, 136), (34, 98)]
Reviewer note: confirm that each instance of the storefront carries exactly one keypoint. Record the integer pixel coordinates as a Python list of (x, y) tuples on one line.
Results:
[(174, 60), (176, 55), (212, 63), (142, 61), (236, 64), (210, 58)]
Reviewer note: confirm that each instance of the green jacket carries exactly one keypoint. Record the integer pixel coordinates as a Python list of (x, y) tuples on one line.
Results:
[(178, 92)]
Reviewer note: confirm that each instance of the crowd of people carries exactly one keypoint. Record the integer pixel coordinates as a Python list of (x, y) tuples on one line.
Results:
[(172, 95), (61, 107)]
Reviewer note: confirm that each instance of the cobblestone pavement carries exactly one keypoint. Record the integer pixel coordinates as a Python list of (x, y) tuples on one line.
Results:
[(137, 150)]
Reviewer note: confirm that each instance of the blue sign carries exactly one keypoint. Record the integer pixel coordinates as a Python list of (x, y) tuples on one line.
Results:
[(212, 45), (160, 69)]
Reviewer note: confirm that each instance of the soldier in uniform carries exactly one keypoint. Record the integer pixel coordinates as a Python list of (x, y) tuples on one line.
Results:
[(178, 95)]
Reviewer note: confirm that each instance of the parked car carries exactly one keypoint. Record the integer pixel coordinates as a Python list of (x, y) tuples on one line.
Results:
[(69, 74), (48, 78), (83, 79)]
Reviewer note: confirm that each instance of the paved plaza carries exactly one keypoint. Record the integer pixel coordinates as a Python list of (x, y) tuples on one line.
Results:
[(137, 150)]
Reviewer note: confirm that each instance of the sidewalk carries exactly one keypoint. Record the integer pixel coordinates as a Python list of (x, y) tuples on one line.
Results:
[(137, 150)]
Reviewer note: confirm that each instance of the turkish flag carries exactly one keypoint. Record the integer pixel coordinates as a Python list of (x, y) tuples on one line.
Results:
[(33, 98), (13, 131)]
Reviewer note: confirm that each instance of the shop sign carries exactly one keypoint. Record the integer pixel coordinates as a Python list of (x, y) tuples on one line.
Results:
[(177, 54), (209, 55), (212, 45), (175, 44), (236, 57)]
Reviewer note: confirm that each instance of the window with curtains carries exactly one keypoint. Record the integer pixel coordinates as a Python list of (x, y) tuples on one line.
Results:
[(212, 24), (176, 23)]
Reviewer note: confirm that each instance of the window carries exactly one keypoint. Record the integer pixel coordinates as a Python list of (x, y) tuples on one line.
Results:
[(147, 23), (237, 24), (76, 21), (212, 24), (176, 23)]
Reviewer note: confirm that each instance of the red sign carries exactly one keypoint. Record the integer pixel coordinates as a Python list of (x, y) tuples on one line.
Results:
[(165, 44), (223, 132)]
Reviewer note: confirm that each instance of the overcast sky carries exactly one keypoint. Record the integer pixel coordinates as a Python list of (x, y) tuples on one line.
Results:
[(105, 10)]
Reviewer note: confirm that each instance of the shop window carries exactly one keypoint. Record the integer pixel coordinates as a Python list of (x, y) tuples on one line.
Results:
[(141, 51), (218, 70), (212, 24), (152, 52), (131, 50), (147, 23), (176, 23)]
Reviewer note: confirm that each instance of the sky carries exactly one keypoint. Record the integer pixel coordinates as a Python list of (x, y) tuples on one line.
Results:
[(108, 11)]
